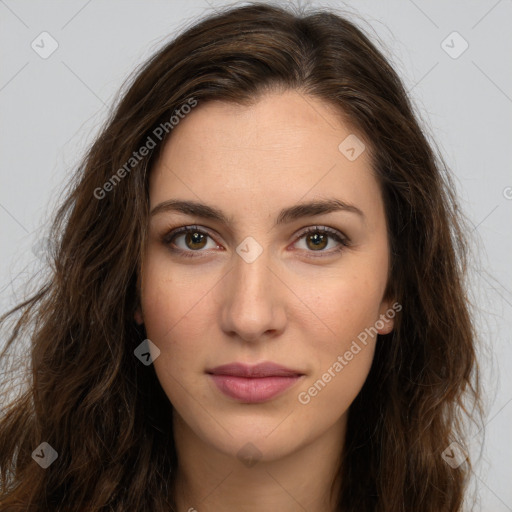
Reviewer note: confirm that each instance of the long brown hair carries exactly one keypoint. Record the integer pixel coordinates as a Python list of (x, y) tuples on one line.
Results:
[(105, 413)]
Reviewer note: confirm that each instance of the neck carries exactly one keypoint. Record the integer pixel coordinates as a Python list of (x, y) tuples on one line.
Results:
[(209, 480)]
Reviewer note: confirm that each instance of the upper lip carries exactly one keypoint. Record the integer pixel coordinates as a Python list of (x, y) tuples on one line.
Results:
[(266, 369)]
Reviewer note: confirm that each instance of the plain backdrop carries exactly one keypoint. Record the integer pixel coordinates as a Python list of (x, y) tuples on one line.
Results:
[(454, 58)]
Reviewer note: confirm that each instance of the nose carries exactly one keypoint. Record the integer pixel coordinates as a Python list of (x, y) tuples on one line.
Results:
[(253, 300)]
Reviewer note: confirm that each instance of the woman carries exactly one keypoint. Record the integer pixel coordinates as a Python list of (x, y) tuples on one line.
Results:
[(257, 299)]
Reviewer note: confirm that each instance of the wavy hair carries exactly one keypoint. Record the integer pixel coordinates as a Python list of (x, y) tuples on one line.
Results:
[(105, 413)]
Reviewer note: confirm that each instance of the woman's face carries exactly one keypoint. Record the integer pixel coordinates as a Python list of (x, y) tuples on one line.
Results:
[(250, 286)]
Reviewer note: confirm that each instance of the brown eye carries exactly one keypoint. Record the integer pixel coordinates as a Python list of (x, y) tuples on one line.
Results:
[(188, 240), (317, 239), (195, 240)]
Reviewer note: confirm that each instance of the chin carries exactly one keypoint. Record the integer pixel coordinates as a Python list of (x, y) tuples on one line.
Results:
[(252, 438)]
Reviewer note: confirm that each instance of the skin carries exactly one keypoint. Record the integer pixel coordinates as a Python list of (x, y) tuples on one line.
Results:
[(295, 304)]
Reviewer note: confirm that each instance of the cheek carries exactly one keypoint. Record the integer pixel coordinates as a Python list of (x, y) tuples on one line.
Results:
[(170, 298), (176, 321), (343, 343), (329, 393), (344, 306)]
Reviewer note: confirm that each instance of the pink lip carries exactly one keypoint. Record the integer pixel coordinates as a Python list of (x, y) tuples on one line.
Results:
[(253, 384)]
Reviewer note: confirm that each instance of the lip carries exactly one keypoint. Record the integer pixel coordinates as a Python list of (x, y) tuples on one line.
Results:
[(253, 383)]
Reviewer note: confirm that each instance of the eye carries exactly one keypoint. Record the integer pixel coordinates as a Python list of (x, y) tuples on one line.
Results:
[(316, 239), (194, 239), (188, 240)]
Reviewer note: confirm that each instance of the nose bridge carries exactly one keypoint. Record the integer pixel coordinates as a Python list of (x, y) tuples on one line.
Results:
[(251, 269), (252, 304)]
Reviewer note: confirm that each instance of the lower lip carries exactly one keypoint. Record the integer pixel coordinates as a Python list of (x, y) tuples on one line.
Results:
[(253, 390)]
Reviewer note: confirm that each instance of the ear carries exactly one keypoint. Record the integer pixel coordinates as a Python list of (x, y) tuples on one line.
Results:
[(387, 312)]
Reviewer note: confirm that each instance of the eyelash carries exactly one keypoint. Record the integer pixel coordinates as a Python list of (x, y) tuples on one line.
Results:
[(169, 237)]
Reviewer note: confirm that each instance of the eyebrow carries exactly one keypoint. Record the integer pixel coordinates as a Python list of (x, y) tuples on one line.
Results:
[(286, 215)]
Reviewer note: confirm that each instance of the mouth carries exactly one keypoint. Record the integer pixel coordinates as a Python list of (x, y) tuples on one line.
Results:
[(253, 383)]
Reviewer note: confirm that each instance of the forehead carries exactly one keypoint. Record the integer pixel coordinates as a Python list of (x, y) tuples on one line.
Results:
[(282, 149)]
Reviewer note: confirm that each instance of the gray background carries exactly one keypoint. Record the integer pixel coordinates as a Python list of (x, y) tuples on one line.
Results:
[(51, 109)]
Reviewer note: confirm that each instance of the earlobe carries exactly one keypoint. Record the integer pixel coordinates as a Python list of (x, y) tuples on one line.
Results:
[(386, 322), (138, 316)]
